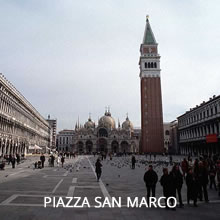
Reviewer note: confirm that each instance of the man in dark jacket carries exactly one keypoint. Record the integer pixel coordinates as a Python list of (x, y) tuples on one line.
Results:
[(98, 169), (42, 159), (62, 160), (13, 160), (203, 181), (133, 161), (150, 179)]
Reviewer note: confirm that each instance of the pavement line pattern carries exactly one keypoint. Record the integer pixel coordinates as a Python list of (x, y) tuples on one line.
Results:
[(58, 184), (8, 200), (101, 184), (74, 180), (12, 174), (66, 173), (71, 191)]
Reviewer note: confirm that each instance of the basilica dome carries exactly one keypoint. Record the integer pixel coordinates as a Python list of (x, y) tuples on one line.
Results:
[(107, 121), (89, 124), (127, 125)]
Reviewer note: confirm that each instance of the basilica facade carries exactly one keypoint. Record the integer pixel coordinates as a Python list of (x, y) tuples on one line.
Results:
[(103, 137)]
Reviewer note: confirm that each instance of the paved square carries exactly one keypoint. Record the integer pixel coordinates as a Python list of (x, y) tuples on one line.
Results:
[(22, 191)]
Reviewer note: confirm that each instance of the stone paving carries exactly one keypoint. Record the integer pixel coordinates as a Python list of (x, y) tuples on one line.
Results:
[(22, 191)]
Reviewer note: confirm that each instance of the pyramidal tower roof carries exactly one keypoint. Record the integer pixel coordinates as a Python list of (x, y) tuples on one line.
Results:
[(148, 34)]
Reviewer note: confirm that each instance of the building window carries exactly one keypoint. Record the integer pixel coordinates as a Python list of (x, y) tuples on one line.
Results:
[(167, 132), (145, 65)]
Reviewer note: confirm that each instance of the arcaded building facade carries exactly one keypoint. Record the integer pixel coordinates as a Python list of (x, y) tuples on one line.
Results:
[(152, 139), (103, 137), (199, 128), (20, 123)]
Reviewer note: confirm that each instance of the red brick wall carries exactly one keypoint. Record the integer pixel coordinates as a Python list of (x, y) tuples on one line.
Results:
[(153, 141)]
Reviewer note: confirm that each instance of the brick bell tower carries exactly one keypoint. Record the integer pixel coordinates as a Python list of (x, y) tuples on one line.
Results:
[(152, 139)]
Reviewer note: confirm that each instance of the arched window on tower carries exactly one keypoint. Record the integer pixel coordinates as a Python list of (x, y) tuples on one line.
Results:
[(145, 64), (152, 65), (155, 65), (148, 65)]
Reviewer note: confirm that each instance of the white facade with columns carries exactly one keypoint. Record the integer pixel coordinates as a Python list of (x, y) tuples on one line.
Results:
[(20, 123)]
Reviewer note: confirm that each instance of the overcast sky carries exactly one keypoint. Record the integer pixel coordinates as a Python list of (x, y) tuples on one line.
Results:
[(69, 58)]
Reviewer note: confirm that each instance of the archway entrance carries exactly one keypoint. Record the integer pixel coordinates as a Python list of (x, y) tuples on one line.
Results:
[(125, 147), (115, 147), (80, 147), (102, 145), (89, 146)]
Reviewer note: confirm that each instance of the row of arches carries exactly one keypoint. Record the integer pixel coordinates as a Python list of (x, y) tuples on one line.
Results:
[(150, 65), (8, 147), (102, 146)]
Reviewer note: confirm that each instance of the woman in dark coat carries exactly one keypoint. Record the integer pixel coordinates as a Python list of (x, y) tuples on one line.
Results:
[(192, 187), (178, 181), (98, 169)]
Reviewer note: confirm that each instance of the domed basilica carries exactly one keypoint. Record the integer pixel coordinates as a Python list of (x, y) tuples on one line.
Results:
[(104, 137)]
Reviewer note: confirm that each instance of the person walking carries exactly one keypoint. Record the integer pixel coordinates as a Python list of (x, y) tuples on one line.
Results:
[(178, 181), (150, 179), (42, 159), (98, 169), (62, 160), (133, 161)]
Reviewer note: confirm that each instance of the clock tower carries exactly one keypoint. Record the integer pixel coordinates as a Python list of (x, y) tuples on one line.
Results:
[(152, 140)]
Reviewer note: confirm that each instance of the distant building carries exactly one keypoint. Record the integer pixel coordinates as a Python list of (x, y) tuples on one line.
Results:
[(199, 128), (174, 138), (65, 140), (104, 137), (152, 139), (53, 125), (21, 125)]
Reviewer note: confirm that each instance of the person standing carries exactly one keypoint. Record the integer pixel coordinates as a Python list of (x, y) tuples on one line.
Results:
[(192, 187), (52, 158), (168, 186), (18, 158), (212, 175), (150, 179), (13, 161), (9, 159), (178, 181), (98, 169), (42, 159), (133, 161), (184, 167), (218, 176), (203, 181), (62, 160), (58, 160)]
